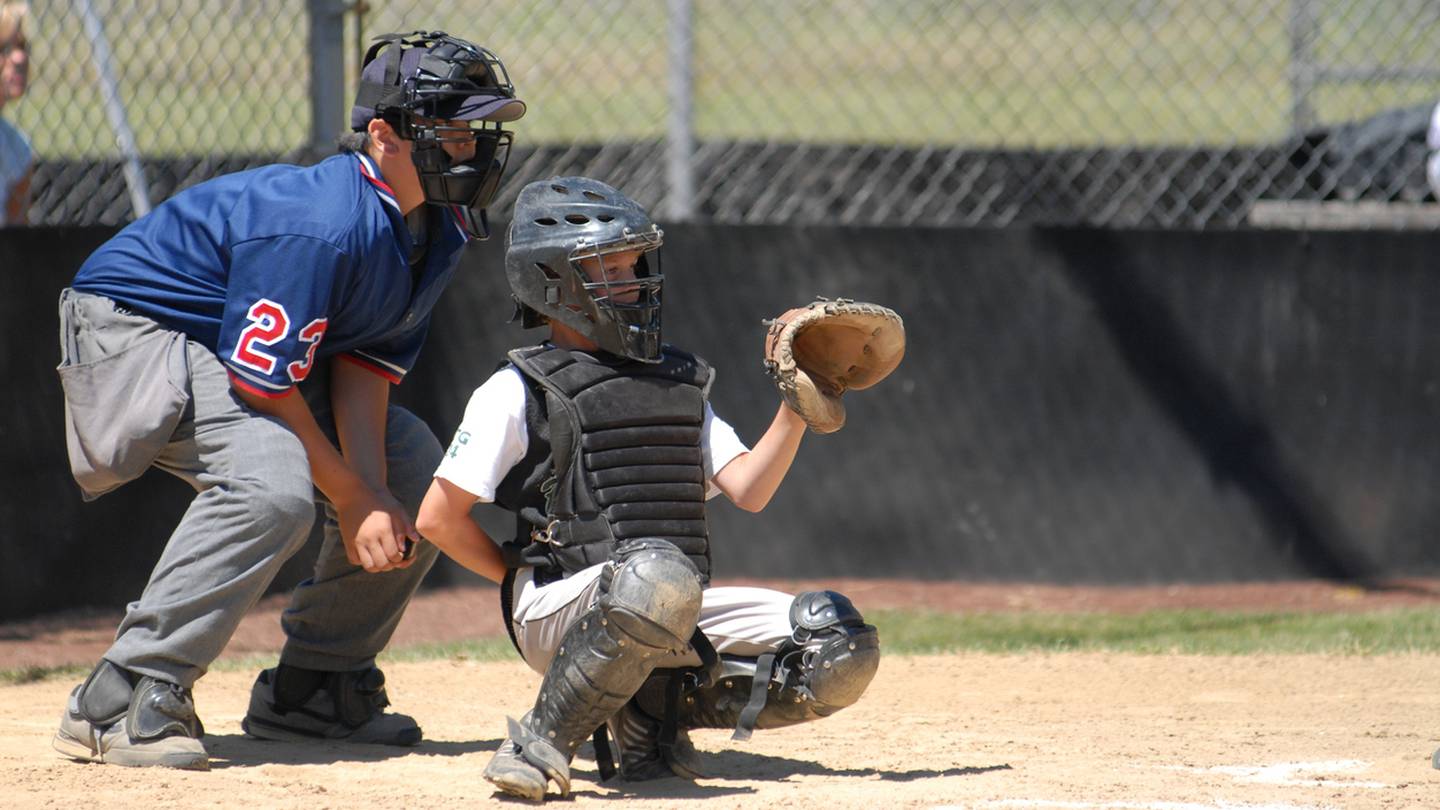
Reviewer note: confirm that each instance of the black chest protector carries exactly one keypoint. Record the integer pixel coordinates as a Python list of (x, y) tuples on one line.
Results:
[(614, 455)]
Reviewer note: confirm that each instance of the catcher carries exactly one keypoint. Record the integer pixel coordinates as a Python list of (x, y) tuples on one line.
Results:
[(602, 442)]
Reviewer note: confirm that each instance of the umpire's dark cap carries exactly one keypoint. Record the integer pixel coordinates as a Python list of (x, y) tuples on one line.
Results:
[(382, 84)]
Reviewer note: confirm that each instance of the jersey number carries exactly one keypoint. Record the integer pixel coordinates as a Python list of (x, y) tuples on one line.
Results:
[(312, 333), (269, 324)]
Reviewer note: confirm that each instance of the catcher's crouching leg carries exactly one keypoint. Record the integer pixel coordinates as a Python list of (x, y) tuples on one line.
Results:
[(825, 666), (649, 604)]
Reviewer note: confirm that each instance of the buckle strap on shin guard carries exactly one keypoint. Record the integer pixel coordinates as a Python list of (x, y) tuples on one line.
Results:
[(604, 757), (759, 687), (677, 682), (709, 670), (671, 719)]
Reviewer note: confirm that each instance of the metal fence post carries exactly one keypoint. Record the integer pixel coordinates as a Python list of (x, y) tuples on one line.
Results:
[(115, 110), (680, 140), (327, 72), (1304, 28)]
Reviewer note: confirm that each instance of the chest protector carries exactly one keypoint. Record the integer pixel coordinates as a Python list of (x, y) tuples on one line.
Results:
[(614, 455)]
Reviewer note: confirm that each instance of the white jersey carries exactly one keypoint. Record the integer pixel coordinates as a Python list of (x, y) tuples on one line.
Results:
[(15, 159), (493, 438)]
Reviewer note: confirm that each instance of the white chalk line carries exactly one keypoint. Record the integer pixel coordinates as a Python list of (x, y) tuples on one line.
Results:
[(1139, 804), (1291, 774), (1297, 774)]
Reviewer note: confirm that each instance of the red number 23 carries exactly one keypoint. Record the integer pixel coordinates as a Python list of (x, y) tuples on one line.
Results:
[(269, 324)]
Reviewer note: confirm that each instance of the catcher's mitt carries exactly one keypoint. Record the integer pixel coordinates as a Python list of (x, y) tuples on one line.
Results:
[(817, 352)]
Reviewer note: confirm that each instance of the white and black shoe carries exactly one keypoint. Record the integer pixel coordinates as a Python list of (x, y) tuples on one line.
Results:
[(121, 718)]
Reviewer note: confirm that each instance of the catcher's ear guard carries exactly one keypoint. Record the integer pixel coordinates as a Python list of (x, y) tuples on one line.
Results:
[(528, 318)]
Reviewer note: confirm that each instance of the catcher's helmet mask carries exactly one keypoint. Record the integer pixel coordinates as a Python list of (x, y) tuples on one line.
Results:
[(558, 224), (434, 89)]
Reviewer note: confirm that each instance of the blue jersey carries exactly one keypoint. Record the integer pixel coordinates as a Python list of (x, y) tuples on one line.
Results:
[(278, 267)]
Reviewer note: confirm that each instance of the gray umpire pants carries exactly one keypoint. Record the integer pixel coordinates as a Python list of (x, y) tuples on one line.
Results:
[(140, 395)]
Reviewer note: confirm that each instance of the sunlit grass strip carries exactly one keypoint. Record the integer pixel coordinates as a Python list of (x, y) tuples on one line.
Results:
[(903, 632), (1195, 632), (480, 650), (23, 675)]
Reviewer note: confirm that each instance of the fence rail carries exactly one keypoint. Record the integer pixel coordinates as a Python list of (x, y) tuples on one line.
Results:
[(1167, 113)]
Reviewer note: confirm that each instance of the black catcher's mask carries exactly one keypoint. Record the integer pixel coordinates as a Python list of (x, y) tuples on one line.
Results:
[(436, 89)]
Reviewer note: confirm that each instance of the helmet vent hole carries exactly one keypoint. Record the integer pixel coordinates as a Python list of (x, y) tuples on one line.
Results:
[(560, 189), (605, 218), (590, 195), (577, 219), (546, 221), (550, 274)]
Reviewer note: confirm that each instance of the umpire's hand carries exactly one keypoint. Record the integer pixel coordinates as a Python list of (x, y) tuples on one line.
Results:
[(376, 532)]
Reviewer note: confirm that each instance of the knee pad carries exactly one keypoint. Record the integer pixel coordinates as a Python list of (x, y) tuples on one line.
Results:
[(825, 665), (833, 654), (651, 591)]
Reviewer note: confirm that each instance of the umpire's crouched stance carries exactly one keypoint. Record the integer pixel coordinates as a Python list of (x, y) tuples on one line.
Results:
[(185, 339)]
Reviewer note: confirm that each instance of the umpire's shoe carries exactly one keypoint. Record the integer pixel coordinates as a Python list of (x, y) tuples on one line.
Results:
[(123, 718), (297, 704)]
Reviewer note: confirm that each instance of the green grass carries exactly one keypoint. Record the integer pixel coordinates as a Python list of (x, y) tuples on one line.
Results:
[(1199, 632), (483, 650), (224, 78), (23, 675), (1160, 632)]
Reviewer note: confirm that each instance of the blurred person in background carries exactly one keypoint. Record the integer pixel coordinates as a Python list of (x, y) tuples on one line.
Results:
[(16, 157)]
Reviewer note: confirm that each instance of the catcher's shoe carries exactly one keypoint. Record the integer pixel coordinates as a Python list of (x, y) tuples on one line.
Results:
[(295, 704), (637, 736), (152, 724), (509, 771)]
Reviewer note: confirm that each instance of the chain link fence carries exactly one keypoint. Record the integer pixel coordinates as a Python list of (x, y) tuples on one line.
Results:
[(1157, 113)]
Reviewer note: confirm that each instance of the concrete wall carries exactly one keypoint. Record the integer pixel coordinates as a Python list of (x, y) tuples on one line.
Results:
[(1075, 406)]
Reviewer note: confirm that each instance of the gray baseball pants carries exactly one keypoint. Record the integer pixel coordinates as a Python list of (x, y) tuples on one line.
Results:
[(140, 395)]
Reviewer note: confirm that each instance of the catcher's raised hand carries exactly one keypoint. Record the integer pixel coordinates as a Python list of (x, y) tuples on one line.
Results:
[(817, 352)]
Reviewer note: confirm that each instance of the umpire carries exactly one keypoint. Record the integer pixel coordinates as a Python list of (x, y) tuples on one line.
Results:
[(243, 337)]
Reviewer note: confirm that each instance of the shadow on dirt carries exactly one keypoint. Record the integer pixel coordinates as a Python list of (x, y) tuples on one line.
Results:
[(734, 765), (242, 751), (626, 791), (746, 766)]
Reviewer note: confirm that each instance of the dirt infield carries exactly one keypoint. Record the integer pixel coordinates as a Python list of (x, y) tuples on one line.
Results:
[(975, 731)]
